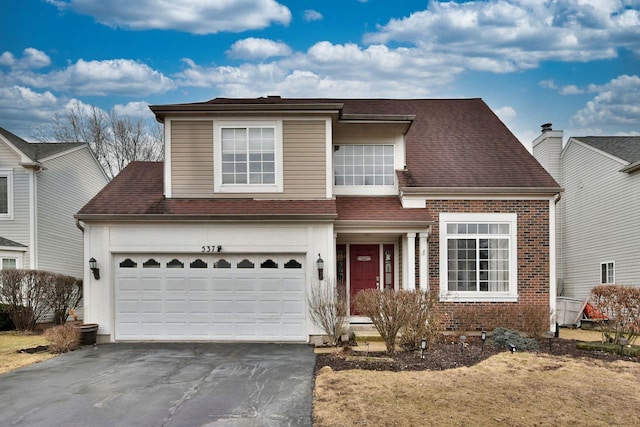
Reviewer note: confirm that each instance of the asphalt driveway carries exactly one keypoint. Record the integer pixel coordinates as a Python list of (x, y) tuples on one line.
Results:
[(164, 384)]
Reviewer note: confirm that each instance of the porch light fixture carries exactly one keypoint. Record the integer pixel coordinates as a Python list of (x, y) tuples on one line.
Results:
[(423, 347), (320, 265), (483, 337), (93, 265)]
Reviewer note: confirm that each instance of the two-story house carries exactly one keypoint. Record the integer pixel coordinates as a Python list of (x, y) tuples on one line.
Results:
[(598, 221), (42, 185), (258, 200)]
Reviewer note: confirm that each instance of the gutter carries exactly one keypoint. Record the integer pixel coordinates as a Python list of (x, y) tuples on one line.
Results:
[(633, 167), (202, 218), (458, 191)]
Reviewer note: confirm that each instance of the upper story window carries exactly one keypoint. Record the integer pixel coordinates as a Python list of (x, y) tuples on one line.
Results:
[(607, 272), (6, 209), (363, 164), (478, 257), (248, 156)]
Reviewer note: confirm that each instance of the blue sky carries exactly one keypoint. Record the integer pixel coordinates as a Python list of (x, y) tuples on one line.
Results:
[(575, 63)]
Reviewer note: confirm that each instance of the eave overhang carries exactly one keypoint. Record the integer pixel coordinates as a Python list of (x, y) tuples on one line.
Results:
[(479, 191), (206, 218), (161, 111), (633, 167)]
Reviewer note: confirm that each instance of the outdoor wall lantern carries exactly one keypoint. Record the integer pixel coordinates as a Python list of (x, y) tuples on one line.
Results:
[(320, 265), (483, 337), (93, 265), (423, 347)]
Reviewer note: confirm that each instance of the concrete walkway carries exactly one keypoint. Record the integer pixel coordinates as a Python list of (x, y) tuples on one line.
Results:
[(154, 384)]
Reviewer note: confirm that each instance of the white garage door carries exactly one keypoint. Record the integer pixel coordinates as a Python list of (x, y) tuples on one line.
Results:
[(210, 297)]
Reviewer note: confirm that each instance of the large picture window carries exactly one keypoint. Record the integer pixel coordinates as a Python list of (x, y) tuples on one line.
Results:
[(478, 257), (363, 165), (248, 156)]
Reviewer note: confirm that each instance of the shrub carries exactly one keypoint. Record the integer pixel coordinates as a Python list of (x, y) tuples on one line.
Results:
[(502, 337), (328, 310), (62, 338), (621, 305), (423, 321), (63, 295), (6, 324), (25, 294), (387, 310)]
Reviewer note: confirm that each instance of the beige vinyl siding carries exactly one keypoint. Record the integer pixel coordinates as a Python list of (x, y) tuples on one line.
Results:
[(304, 160), (64, 187), (601, 220), (192, 158), (17, 229)]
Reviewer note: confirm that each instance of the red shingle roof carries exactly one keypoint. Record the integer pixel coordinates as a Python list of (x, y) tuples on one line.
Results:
[(138, 192), (386, 208)]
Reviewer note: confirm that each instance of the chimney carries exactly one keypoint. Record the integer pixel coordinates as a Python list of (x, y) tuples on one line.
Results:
[(547, 149)]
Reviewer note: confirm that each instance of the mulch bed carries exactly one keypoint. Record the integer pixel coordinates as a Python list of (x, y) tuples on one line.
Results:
[(448, 355)]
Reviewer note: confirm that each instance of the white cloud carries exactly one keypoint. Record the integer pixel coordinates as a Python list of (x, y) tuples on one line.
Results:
[(21, 107), (506, 113), (31, 59), (109, 77), (571, 90), (134, 109), (616, 103), (312, 15), (255, 48), (510, 35), (191, 16)]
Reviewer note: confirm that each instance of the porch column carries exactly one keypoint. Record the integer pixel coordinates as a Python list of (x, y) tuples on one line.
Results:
[(411, 262), (424, 261)]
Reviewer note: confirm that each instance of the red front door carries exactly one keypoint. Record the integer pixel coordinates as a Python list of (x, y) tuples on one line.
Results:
[(364, 269)]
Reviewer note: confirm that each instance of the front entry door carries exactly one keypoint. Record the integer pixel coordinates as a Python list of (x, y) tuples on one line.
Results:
[(364, 270)]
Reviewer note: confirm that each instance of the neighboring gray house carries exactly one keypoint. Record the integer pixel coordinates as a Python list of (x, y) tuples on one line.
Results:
[(42, 185), (598, 216)]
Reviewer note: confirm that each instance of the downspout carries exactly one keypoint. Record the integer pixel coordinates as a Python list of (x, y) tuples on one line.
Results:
[(79, 225)]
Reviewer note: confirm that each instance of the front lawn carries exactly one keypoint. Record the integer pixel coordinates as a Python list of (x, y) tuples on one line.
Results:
[(11, 342), (519, 389)]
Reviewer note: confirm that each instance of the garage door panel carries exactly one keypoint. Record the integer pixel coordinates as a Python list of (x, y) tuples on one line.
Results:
[(175, 301)]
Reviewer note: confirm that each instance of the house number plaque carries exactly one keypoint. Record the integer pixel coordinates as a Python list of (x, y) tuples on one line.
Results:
[(211, 249)]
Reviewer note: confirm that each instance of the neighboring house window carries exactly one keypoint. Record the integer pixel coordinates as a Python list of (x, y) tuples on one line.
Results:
[(6, 196), (478, 257), (363, 165), (248, 157), (9, 263), (607, 272)]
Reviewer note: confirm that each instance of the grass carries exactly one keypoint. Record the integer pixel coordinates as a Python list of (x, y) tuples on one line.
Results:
[(11, 342), (521, 389)]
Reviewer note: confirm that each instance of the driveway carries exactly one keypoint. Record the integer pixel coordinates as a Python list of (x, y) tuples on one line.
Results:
[(164, 384)]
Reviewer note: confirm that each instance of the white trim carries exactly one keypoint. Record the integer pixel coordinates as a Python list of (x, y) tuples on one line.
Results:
[(410, 284), (450, 296), (6, 254), (424, 261), (33, 224), (329, 158), (167, 159), (552, 265), (576, 140), (218, 186), (8, 173)]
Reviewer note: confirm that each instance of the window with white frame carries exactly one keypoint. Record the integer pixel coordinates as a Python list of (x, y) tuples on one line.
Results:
[(6, 199), (607, 272), (478, 257), (248, 157), (8, 262), (363, 164)]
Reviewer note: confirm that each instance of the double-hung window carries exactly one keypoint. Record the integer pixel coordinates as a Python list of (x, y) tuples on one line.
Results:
[(248, 157), (6, 199), (607, 272), (478, 257)]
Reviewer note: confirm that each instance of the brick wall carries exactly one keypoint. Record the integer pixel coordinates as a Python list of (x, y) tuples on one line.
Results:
[(533, 265)]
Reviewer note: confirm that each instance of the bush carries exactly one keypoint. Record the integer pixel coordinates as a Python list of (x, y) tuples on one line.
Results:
[(621, 305), (6, 324), (387, 310), (63, 295), (502, 337), (25, 294), (423, 321), (328, 310), (62, 338)]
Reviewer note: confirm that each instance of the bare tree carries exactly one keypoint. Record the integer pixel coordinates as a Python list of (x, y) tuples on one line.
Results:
[(116, 140)]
